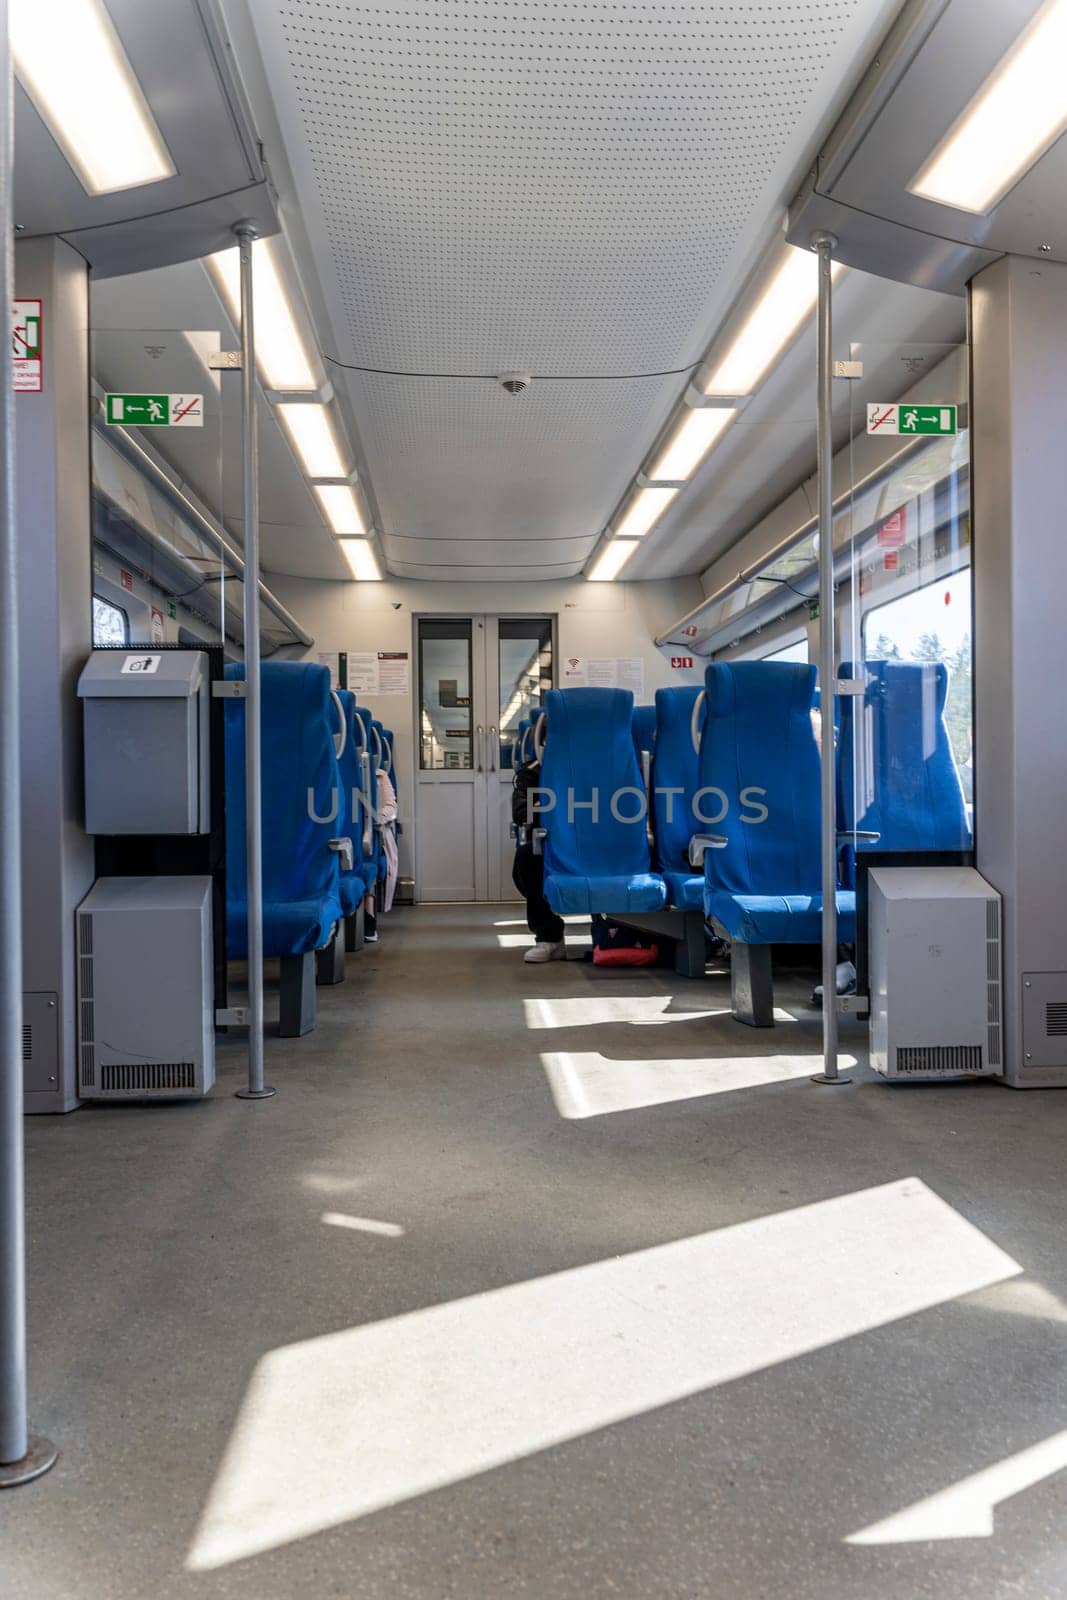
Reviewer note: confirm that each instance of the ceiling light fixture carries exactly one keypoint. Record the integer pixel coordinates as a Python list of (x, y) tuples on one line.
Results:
[(341, 508), (1019, 111), (311, 430), (775, 319), (611, 560), (73, 67), (696, 432), (644, 511), (281, 349), (361, 557)]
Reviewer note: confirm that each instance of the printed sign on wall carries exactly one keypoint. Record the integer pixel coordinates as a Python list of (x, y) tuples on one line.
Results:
[(26, 346)]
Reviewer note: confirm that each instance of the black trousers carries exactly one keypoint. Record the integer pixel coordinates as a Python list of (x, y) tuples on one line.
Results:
[(528, 876)]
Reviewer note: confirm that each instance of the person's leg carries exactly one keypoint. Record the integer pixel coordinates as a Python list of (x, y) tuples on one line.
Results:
[(528, 876)]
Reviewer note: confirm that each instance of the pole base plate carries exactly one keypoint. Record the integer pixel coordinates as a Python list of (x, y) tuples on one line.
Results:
[(823, 1077), (40, 1455), (254, 1094)]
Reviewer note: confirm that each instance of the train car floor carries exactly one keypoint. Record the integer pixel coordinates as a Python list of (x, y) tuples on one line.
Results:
[(547, 1281)]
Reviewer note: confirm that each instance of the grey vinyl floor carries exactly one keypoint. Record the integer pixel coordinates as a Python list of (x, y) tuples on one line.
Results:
[(550, 1282)]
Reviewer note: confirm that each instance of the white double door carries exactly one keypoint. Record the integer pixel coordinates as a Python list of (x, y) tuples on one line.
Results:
[(478, 677)]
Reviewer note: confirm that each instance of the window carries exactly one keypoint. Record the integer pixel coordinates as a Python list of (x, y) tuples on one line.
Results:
[(933, 624), (797, 651), (111, 625)]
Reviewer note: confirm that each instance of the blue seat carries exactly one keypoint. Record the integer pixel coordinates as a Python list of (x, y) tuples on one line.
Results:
[(677, 767), (763, 886), (593, 861), (897, 775), (301, 782), (350, 810), (644, 731), (368, 851)]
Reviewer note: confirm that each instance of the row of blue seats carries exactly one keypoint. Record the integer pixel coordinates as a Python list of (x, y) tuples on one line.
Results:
[(736, 765), (322, 852)]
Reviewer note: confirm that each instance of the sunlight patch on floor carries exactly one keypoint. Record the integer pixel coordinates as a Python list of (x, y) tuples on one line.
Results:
[(520, 922), (1022, 1298), (585, 1011), (519, 941), (339, 1219), (339, 1426), (966, 1509), (585, 1083)]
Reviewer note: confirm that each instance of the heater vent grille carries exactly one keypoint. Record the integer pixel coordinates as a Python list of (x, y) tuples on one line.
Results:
[(945, 1058), (147, 1077)]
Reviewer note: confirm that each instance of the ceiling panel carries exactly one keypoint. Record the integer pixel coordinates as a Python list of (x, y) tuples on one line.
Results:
[(466, 459), (573, 187)]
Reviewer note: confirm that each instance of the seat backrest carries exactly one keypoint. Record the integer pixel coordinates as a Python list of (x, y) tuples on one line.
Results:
[(390, 740), (589, 757), (300, 780), (677, 767), (758, 751), (644, 730), (897, 775), (362, 728), (350, 820)]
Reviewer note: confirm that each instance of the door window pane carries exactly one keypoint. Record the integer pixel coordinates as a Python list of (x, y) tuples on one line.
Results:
[(525, 674), (110, 623), (445, 741)]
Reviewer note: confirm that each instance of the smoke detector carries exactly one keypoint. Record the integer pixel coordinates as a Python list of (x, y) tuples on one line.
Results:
[(515, 382)]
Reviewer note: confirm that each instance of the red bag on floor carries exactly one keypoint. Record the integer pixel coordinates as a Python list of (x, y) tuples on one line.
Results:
[(616, 946)]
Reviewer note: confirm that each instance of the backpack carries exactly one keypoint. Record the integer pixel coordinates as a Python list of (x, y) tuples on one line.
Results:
[(617, 946)]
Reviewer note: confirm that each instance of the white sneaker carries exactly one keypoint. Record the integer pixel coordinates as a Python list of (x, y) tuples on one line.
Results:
[(542, 951)]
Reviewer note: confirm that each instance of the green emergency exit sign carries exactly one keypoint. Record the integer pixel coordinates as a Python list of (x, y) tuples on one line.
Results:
[(911, 419), (155, 410)]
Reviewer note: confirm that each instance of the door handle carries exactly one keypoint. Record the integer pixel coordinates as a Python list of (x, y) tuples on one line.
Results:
[(492, 748), (480, 748)]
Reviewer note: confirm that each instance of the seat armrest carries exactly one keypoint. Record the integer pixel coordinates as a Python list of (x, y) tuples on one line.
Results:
[(537, 839), (343, 848), (847, 836), (701, 843)]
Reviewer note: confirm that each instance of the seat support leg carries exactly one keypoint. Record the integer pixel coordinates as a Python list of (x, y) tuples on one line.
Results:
[(330, 960), (751, 984), (297, 1015), (354, 930), (690, 951)]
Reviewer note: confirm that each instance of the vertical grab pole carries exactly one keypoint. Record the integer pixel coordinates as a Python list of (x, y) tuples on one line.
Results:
[(824, 244), (22, 1457), (255, 1089)]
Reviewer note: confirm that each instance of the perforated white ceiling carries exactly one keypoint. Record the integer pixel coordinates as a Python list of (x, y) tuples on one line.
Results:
[(567, 186)]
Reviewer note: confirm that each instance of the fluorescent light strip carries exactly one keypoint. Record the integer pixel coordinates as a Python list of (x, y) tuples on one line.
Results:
[(359, 553), (690, 442), (72, 65), (311, 430), (644, 511), (786, 302), (341, 507), (281, 350), (611, 560), (1019, 111)]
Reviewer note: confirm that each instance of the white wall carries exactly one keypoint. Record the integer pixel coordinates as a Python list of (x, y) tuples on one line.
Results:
[(593, 619)]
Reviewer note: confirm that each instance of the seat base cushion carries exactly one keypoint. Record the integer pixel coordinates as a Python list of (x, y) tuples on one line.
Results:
[(352, 892), (289, 929), (778, 918), (571, 895), (685, 890)]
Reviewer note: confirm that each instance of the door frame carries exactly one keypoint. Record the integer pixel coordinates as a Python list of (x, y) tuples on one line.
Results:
[(485, 706)]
